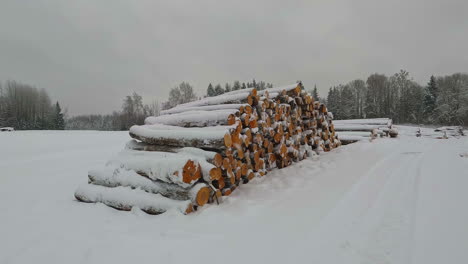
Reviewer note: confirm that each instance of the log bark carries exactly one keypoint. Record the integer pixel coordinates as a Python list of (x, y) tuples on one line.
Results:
[(204, 108), (196, 118), (168, 167), (125, 198), (208, 138), (374, 121), (114, 177), (353, 127), (210, 156), (237, 98)]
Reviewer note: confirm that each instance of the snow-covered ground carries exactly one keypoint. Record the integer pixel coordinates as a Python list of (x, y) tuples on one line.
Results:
[(391, 201)]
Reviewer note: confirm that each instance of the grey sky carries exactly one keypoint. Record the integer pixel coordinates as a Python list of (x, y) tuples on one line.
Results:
[(89, 54)]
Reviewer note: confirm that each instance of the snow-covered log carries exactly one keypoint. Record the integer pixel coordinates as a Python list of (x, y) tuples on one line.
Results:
[(237, 98), (196, 118), (114, 177), (374, 121), (213, 138), (210, 156), (168, 167), (372, 133), (353, 127), (393, 132), (347, 139), (180, 109), (209, 161), (125, 198)]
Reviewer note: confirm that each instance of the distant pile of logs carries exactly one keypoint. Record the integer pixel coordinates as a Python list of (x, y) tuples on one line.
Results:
[(354, 130), (197, 152)]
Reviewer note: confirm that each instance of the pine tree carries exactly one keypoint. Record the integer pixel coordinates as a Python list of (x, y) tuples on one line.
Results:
[(227, 88), (218, 89), (243, 86), (315, 93), (58, 121), (430, 98), (261, 85), (210, 91), (236, 86)]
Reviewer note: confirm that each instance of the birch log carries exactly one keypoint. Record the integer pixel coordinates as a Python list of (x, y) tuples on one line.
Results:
[(196, 118), (168, 167), (113, 177), (211, 138), (125, 198)]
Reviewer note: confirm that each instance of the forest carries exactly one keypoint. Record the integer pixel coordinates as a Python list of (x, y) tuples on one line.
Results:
[(442, 101), (25, 107)]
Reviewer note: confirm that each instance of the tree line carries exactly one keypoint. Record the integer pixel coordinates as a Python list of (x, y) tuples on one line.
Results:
[(23, 106), (444, 100), (132, 112)]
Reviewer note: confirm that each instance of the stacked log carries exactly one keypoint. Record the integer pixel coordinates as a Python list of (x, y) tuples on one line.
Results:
[(354, 130), (203, 150)]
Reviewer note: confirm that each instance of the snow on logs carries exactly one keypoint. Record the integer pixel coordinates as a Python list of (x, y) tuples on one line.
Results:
[(199, 151), (197, 118), (125, 198), (114, 177), (353, 130), (207, 137)]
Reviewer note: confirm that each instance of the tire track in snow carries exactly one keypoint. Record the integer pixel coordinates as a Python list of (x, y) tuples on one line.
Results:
[(379, 212)]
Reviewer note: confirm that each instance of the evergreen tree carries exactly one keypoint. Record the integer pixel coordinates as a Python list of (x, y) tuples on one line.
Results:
[(58, 121), (236, 86), (218, 89), (430, 99), (210, 91), (262, 85), (243, 86), (315, 93), (227, 88)]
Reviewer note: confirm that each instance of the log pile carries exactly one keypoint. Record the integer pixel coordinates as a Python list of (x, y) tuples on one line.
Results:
[(354, 130), (198, 152)]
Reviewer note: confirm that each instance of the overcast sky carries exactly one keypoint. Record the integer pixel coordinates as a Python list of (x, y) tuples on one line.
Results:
[(89, 54)]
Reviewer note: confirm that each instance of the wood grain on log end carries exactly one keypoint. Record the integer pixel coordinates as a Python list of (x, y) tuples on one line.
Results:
[(203, 196), (227, 140), (191, 172), (215, 174)]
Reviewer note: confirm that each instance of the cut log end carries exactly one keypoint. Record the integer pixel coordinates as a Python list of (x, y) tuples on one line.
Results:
[(190, 209), (203, 196), (231, 119), (226, 191), (191, 172), (215, 174), (218, 160), (227, 140)]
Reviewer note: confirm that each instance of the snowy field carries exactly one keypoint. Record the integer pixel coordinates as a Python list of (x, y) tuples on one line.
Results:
[(391, 201)]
